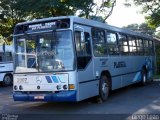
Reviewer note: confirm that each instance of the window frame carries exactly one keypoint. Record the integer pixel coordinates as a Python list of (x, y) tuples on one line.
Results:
[(11, 56), (86, 54), (103, 44), (133, 38), (116, 45), (140, 45), (120, 45), (83, 60)]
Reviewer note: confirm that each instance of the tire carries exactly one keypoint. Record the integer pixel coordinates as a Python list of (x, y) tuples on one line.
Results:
[(144, 78), (7, 80), (104, 88)]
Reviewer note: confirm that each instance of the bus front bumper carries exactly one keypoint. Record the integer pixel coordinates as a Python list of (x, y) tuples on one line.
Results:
[(68, 96)]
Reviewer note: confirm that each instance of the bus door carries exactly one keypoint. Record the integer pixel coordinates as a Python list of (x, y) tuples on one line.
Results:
[(86, 83), (21, 50)]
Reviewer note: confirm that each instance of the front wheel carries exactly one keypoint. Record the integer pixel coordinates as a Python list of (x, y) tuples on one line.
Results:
[(103, 88), (7, 80)]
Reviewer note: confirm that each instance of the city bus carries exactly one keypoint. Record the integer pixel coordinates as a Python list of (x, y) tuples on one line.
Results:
[(6, 65), (71, 59)]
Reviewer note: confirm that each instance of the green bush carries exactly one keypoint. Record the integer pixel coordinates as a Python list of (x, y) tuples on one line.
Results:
[(158, 58)]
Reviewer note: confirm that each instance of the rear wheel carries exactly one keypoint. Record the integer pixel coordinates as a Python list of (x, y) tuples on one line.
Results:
[(7, 80), (104, 88), (144, 78)]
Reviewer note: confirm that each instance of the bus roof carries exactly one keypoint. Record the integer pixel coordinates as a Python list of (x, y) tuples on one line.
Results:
[(92, 23), (8, 48)]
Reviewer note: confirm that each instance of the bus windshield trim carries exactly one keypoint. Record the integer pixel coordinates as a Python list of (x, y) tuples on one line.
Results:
[(25, 36)]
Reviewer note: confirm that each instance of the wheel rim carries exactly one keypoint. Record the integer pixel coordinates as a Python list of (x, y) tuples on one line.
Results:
[(104, 89), (7, 80), (144, 78)]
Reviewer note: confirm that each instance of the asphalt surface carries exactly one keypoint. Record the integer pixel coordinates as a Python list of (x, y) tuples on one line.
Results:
[(122, 104)]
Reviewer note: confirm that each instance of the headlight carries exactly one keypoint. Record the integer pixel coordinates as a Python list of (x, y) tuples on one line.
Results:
[(20, 87), (38, 87), (15, 87), (64, 87), (59, 87)]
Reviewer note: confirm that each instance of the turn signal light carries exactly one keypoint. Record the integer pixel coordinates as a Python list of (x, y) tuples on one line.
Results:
[(15, 87), (71, 86)]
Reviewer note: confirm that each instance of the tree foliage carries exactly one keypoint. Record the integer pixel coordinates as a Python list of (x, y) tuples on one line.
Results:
[(83, 8), (143, 28), (157, 48), (10, 14), (133, 27), (158, 34), (151, 8), (14, 11), (101, 10)]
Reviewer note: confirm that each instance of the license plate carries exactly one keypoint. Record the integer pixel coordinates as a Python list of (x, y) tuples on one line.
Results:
[(40, 97)]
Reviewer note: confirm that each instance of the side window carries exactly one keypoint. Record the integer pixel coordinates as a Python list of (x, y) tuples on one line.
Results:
[(132, 45), (88, 44), (83, 49), (146, 47), (99, 43), (139, 43), (123, 44), (2, 57), (145, 42), (8, 56), (78, 42), (112, 43), (151, 47)]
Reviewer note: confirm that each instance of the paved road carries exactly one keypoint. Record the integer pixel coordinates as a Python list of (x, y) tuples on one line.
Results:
[(125, 101)]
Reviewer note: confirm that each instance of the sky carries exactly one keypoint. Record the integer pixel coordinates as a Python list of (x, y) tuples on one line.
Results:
[(123, 16)]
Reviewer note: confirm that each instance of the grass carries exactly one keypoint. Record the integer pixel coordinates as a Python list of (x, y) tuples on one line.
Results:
[(157, 76)]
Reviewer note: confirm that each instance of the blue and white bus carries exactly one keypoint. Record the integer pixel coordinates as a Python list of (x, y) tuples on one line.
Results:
[(71, 59), (6, 65)]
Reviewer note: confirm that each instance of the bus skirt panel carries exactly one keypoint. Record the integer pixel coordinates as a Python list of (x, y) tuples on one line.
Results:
[(68, 96)]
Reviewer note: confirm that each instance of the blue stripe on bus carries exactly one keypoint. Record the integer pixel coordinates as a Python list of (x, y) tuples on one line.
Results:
[(58, 77), (137, 77), (55, 80), (48, 79)]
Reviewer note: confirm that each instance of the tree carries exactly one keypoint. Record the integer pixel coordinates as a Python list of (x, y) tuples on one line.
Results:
[(98, 11), (151, 8), (133, 27), (10, 14), (143, 28), (105, 9), (1, 40), (158, 34), (83, 8), (14, 11)]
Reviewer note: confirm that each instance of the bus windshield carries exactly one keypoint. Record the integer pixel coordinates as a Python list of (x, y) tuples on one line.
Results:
[(44, 52)]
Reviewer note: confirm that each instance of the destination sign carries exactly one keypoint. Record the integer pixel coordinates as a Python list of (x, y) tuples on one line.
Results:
[(37, 26), (41, 26)]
